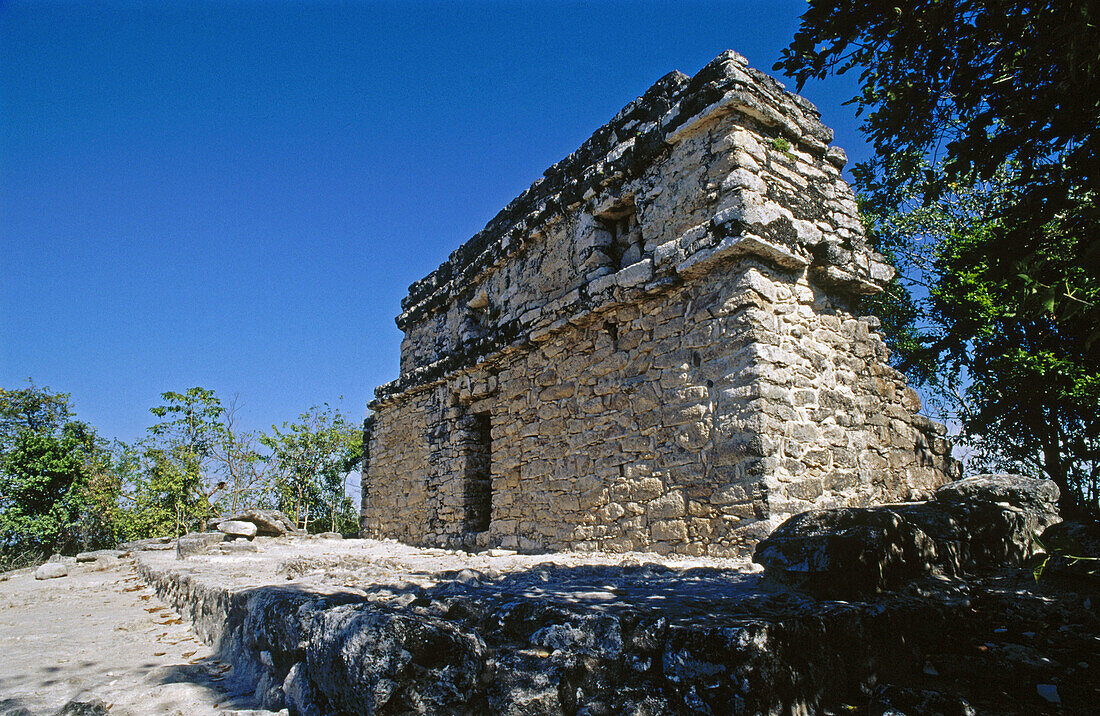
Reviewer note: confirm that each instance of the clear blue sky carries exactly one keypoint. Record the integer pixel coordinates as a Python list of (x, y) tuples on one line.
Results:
[(237, 194)]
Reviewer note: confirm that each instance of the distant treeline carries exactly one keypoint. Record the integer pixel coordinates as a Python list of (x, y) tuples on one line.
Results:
[(63, 488)]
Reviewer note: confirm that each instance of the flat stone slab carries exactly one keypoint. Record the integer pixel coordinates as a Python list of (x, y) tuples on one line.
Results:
[(98, 554)]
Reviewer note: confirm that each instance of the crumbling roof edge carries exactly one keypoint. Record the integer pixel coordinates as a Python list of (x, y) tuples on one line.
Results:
[(669, 109)]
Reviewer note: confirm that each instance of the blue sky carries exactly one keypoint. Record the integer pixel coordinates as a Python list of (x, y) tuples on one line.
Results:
[(237, 194)]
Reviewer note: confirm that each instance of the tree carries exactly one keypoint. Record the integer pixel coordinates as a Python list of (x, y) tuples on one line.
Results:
[(985, 115), (312, 460), (243, 471), (979, 85), (51, 469), (176, 475), (195, 464)]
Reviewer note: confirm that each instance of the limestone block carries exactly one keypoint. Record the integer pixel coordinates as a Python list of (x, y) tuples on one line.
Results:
[(52, 570), (667, 506), (669, 530), (237, 528)]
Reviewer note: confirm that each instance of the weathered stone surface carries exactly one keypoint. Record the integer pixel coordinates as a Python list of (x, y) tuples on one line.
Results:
[(52, 570), (237, 546), (199, 542), (664, 319), (369, 660), (152, 543), (1037, 497), (898, 701), (237, 528), (93, 707), (977, 522)]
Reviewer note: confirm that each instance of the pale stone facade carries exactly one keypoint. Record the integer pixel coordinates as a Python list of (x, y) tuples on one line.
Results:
[(653, 347)]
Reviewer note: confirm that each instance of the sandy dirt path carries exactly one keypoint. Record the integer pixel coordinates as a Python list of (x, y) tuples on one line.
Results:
[(101, 633)]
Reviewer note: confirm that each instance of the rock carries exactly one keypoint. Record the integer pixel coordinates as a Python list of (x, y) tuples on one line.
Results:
[(525, 685), (367, 660), (359, 653), (51, 570), (846, 550), (210, 538), (994, 519), (1040, 496), (1081, 539), (985, 521), (331, 535), (237, 528), (671, 641), (890, 700), (98, 554), (199, 542), (269, 523), (153, 543), (1049, 692), (94, 707), (299, 691)]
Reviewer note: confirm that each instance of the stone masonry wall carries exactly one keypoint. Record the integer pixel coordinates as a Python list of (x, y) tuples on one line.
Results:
[(654, 347)]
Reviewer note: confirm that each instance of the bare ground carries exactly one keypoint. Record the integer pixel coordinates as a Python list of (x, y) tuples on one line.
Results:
[(100, 633)]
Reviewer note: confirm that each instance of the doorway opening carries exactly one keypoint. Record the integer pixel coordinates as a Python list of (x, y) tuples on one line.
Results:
[(478, 479)]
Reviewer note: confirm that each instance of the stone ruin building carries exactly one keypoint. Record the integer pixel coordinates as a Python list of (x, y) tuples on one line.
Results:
[(657, 346)]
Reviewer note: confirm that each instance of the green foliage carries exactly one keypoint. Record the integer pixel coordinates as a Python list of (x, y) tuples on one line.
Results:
[(311, 460), (62, 488), (51, 476), (984, 118), (1067, 552), (31, 408), (172, 485), (780, 144)]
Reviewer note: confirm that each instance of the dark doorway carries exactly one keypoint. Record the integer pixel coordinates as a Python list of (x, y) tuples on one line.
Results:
[(478, 487)]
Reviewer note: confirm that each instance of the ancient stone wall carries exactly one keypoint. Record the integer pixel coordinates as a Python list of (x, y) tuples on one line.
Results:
[(654, 347)]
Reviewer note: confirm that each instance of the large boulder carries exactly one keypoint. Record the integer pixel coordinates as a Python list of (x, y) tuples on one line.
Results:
[(1038, 497), (366, 660), (861, 549), (52, 570), (199, 542), (269, 523), (237, 528), (983, 521)]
